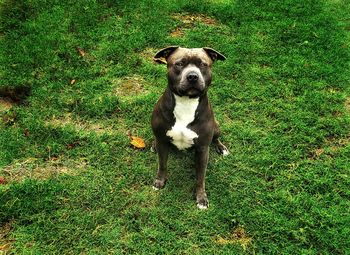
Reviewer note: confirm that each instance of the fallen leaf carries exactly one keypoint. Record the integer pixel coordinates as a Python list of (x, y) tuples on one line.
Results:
[(2, 180), (5, 246), (72, 82), (117, 110), (53, 158), (71, 146), (26, 132), (137, 142), (81, 52)]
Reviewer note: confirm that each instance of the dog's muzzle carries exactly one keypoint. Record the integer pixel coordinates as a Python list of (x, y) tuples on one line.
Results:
[(192, 77), (192, 82)]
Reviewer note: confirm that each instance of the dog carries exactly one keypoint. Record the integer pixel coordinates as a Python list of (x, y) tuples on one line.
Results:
[(183, 116)]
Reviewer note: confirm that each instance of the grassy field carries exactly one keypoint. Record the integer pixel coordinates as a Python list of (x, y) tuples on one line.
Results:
[(77, 77)]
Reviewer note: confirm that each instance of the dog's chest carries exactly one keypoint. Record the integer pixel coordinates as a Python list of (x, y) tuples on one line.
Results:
[(184, 112)]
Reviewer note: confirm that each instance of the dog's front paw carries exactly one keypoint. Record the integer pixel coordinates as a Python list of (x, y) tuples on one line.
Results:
[(154, 147), (202, 201), (158, 184)]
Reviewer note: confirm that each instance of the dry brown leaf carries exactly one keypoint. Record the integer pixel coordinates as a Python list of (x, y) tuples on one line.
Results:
[(4, 247), (2, 180), (72, 82), (53, 158), (137, 142), (81, 52), (71, 146), (26, 132)]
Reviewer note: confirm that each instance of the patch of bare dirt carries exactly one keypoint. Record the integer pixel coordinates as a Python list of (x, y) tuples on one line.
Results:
[(331, 147), (80, 125), (178, 32), (33, 169), (336, 144), (5, 104), (5, 240), (148, 54), (238, 236), (188, 21), (347, 104), (129, 86)]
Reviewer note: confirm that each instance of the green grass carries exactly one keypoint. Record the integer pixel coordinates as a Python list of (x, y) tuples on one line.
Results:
[(74, 184)]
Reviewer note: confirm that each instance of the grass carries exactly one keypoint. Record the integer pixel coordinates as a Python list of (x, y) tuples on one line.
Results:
[(77, 78)]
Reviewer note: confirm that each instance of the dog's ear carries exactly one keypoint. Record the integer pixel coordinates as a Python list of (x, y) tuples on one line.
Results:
[(213, 54), (163, 54)]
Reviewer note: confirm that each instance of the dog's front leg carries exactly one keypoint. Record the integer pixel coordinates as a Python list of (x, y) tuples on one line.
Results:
[(201, 159), (162, 172)]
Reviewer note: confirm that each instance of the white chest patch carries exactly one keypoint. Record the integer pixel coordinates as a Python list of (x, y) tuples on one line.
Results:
[(184, 112)]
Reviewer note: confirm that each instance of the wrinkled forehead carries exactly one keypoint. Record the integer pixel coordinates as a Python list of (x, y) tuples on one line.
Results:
[(195, 53)]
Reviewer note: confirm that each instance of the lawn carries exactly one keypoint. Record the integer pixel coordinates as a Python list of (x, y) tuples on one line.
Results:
[(77, 79)]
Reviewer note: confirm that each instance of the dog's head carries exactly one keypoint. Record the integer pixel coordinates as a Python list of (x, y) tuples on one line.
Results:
[(189, 70)]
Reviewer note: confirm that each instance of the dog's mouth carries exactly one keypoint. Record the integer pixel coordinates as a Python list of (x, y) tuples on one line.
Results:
[(190, 92)]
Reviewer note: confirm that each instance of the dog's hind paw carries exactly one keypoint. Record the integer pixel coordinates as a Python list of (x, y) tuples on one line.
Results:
[(202, 207), (221, 149), (225, 152), (158, 184), (202, 201)]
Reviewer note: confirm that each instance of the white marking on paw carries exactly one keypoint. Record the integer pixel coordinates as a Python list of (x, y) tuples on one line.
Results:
[(202, 207), (184, 112), (225, 153), (155, 188)]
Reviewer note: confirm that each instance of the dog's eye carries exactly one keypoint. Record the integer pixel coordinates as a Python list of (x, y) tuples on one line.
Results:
[(179, 63), (203, 64)]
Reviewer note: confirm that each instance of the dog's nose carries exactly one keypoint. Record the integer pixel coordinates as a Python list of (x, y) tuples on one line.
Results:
[(192, 77)]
